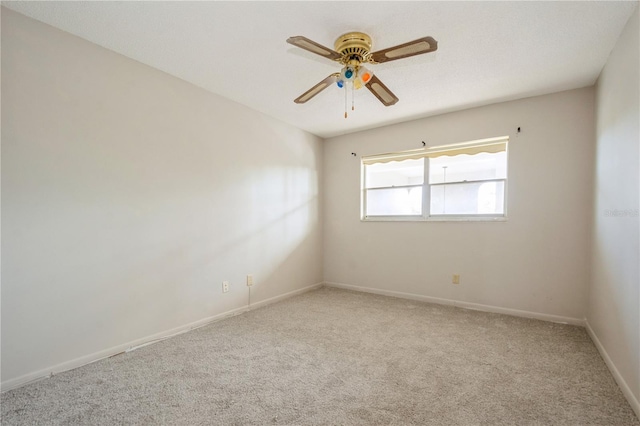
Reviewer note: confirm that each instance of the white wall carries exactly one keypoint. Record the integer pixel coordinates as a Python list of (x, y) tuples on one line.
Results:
[(536, 261), (614, 298), (128, 196)]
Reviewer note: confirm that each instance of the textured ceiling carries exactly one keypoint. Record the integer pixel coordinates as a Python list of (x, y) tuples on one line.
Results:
[(487, 51)]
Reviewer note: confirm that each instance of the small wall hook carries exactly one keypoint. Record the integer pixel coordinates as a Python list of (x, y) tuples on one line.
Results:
[(518, 129), (424, 144), (353, 153)]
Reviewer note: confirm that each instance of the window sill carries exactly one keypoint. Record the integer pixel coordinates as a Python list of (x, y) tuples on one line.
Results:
[(434, 219)]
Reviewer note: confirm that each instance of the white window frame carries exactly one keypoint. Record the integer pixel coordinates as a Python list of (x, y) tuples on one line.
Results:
[(474, 146)]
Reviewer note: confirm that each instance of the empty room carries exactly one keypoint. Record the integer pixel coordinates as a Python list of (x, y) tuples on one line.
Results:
[(320, 213)]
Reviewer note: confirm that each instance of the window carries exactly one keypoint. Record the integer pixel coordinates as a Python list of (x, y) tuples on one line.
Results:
[(462, 181)]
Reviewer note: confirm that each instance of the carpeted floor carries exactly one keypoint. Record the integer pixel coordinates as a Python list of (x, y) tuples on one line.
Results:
[(335, 357)]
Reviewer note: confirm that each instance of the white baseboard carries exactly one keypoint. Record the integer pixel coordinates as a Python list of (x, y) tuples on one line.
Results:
[(626, 390), (145, 341), (461, 304), (284, 296)]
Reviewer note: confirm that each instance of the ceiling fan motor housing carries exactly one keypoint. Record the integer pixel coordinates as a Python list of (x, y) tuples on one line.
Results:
[(355, 48)]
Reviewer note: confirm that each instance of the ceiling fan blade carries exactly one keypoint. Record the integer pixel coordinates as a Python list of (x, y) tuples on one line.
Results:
[(317, 89), (381, 91), (412, 48), (313, 47)]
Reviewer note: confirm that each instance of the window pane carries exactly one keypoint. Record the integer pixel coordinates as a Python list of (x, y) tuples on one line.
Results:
[(394, 201), (395, 173), (468, 198), (460, 168)]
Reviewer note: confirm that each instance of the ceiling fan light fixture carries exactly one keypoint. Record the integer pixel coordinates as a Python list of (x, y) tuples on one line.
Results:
[(352, 50), (364, 75), (348, 73)]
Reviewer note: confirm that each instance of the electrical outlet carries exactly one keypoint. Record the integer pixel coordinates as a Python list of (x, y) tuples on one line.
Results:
[(249, 280), (455, 279), (225, 286)]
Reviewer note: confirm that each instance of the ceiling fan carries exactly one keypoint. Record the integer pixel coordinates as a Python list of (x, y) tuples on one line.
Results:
[(352, 50)]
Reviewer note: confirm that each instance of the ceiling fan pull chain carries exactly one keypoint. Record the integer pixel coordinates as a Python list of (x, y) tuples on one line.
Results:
[(345, 101), (352, 96)]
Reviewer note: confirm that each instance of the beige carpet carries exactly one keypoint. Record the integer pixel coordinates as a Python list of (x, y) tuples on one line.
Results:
[(334, 357)]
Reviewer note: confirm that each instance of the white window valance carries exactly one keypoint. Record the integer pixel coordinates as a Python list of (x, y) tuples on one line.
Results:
[(492, 145)]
